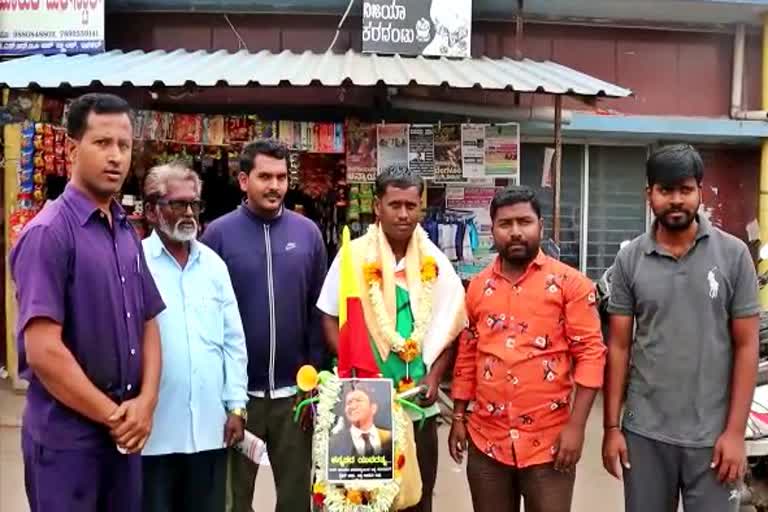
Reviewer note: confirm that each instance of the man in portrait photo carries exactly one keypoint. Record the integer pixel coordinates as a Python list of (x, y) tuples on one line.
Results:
[(360, 436)]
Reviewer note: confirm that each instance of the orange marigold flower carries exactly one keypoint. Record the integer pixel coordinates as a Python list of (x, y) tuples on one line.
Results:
[(372, 273), (410, 351), (429, 269), (405, 384), (355, 497)]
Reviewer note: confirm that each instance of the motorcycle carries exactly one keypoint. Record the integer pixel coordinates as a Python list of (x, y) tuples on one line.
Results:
[(754, 494)]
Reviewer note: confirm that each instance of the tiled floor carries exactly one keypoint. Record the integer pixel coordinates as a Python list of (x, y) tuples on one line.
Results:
[(595, 490)]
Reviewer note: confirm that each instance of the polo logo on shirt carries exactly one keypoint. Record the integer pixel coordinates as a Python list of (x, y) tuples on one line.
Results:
[(290, 246), (714, 286)]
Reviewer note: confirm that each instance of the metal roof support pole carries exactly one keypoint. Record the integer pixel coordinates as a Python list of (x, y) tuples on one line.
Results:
[(519, 32), (12, 133), (557, 161)]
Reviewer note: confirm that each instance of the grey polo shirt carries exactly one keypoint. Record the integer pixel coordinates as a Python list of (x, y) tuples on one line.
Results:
[(681, 358)]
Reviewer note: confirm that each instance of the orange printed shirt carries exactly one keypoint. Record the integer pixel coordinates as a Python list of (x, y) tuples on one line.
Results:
[(525, 345)]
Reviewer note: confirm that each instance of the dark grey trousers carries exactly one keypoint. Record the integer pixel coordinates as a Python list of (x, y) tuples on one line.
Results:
[(662, 473), (181, 482)]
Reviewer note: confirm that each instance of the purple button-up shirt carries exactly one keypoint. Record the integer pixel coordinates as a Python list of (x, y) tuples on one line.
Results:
[(70, 266)]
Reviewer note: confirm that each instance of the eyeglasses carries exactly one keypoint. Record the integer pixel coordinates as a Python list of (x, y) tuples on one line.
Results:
[(180, 207)]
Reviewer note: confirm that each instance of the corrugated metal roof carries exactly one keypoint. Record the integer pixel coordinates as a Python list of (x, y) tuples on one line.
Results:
[(707, 12), (202, 68)]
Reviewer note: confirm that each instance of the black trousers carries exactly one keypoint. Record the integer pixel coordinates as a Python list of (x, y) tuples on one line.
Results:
[(426, 452), (182, 482)]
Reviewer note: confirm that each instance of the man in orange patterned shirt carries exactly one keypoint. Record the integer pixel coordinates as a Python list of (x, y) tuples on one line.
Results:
[(533, 330)]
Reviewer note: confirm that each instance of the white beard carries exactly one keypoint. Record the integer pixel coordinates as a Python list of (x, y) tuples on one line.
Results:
[(178, 233)]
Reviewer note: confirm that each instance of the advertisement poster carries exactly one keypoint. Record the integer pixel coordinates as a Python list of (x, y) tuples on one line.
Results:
[(392, 142), (502, 151), (477, 201), (473, 150), (421, 150), (360, 445), (361, 152), (441, 28), (51, 27), (448, 154), (546, 170)]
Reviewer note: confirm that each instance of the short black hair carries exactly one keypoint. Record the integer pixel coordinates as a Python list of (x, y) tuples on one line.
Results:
[(673, 164), (96, 102), (515, 195), (398, 176), (268, 147), (362, 387)]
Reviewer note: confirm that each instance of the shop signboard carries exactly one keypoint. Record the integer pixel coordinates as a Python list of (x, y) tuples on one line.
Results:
[(441, 28), (51, 27)]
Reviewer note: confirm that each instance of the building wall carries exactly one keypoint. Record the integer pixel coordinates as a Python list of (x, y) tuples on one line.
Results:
[(670, 73), (665, 70), (731, 187)]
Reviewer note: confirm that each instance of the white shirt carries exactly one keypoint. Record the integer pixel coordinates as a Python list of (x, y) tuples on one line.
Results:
[(373, 437), (203, 347), (285, 392), (447, 285)]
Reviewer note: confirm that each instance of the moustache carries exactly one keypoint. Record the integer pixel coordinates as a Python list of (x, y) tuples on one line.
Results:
[(676, 210), (186, 225)]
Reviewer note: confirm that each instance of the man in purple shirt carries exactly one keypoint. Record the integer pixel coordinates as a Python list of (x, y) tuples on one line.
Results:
[(88, 342)]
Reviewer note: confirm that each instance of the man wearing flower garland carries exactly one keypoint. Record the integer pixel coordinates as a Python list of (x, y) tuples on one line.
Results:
[(412, 303)]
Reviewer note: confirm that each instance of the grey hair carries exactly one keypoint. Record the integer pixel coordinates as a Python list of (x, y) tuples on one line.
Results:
[(156, 182)]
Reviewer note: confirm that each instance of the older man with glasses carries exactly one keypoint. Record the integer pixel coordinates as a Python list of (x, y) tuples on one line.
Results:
[(202, 397)]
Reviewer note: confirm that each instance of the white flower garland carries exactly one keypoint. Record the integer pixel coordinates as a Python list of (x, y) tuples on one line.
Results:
[(382, 496), (422, 315)]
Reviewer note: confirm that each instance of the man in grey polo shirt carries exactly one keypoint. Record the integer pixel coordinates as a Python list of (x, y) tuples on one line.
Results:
[(691, 292)]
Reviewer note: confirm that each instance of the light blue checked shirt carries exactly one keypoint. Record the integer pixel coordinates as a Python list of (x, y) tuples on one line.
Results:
[(204, 356)]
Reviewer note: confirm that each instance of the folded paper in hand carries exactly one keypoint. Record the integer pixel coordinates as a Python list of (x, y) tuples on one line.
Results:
[(252, 447)]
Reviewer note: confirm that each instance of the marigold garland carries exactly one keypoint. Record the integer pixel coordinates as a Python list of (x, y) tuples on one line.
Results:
[(372, 273), (410, 351), (407, 349), (429, 269)]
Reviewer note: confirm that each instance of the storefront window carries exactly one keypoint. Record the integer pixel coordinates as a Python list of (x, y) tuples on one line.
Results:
[(532, 167), (616, 202)]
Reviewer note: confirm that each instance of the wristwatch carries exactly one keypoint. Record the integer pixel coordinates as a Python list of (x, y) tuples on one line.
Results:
[(239, 411)]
